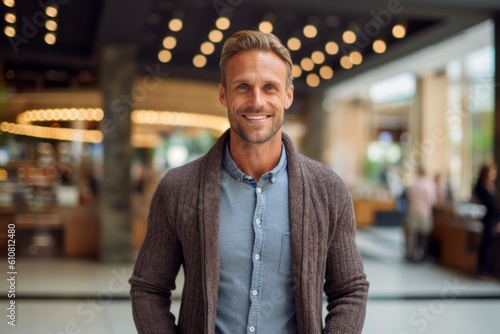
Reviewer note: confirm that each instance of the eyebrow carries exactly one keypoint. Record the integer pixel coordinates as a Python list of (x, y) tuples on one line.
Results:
[(238, 81)]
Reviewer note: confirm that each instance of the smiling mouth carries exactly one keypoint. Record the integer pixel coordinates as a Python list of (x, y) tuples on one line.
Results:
[(256, 118)]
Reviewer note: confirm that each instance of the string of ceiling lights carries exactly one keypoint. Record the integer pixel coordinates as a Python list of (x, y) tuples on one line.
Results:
[(305, 66), (49, 21), (24, 126)]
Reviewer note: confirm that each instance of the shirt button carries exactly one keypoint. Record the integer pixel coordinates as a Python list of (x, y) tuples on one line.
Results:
[(257, 256), (257, 221), (273, 180), (254, 292), (259, 190), (252, 329)]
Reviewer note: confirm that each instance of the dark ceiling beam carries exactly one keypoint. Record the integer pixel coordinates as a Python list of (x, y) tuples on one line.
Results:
[(122, 22), (360, 6)]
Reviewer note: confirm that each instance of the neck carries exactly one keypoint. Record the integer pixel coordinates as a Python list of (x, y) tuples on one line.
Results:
[(255, 159)]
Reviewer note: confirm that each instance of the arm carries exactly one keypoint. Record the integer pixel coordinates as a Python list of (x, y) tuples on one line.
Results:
[(155, 271), (488, 200), (346, 286)]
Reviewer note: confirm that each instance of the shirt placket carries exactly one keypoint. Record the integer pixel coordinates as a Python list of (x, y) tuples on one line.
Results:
[(258, 247)]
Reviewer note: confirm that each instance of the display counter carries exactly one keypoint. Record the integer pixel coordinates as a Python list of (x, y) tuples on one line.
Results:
[(52, 231), (456, 237), (365, 210)]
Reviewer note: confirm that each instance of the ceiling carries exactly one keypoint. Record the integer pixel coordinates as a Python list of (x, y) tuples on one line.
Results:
[(84, 28)]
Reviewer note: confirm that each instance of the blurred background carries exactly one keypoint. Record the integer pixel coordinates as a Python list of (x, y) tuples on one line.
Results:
[(99, 98)]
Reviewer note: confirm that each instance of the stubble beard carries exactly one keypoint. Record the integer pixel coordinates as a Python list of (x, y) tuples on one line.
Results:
[(248, 134)]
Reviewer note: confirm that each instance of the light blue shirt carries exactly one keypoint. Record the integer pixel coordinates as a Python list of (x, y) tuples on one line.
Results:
[(256, 287)]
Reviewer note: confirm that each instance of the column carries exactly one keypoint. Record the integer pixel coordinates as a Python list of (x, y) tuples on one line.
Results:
[(434, 128), (496, 134), (118, 73), (348, 133), (314, 141)]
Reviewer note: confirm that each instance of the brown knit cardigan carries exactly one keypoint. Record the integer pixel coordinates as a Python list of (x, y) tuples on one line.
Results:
[(183, 229)]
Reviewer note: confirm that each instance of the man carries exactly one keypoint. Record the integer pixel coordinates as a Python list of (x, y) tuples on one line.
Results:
[(421, 196), (260, 230)]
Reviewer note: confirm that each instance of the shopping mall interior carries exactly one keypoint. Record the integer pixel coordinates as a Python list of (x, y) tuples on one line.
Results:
[(100, 98)]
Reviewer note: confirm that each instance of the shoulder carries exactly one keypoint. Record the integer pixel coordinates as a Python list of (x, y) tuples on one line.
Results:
[(319, 170), (181, 178)]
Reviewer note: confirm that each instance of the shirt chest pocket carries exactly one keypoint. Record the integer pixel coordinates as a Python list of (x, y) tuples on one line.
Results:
[(285, 266)]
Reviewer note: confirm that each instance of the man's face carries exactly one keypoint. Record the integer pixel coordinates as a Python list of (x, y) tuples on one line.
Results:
[(256, 95)]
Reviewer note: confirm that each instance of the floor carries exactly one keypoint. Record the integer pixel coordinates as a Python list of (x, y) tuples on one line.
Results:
[(70, 297)]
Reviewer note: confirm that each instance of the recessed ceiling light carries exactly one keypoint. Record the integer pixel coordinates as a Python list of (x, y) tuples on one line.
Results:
[(51, 25), (326, 72), (294, 44), (50, 38), (222, 23), (349, 36), (169, 42), (215, 36), (318, 57), (199, 61), (9, 31), (310, 31), (164, 56), (51, 11), (296, 71), (345, 62), (356, 57), (332, 48), (379, 46), (266, 27), (10, 18), (307, 64), (399, 31), (313, 80), (175, 25), (9, 3), (207, 48)]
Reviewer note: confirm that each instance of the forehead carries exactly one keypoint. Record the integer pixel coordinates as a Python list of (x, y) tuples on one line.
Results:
[(255, 62)]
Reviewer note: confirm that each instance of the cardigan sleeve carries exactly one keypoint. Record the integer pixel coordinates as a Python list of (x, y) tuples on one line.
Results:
[(346, 286), (156, 268)]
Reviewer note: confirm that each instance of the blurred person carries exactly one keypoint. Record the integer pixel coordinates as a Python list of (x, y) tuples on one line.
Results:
[(260, 230), (442, 189), (421, 197), (484, 193)]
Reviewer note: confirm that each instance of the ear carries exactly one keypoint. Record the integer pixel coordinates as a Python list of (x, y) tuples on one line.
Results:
[(222, 95), (289, 97)]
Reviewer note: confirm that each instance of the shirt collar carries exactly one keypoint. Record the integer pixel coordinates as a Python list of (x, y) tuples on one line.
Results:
[(230, 166)]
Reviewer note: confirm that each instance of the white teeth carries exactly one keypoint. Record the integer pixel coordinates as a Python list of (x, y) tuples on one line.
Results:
[(256, 117)]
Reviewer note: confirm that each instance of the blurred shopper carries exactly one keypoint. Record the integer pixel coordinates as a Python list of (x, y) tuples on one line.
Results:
[(260, 230), (442, 189), (421, 197), (484, 193)]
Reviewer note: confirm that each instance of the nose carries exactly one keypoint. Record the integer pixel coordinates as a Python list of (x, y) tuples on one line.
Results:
[(257, 99)]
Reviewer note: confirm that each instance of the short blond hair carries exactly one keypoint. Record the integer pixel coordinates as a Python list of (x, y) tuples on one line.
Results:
[(249, 40)]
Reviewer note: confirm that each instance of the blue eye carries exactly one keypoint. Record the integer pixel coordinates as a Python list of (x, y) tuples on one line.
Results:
[(269, 87), (242, 87)]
